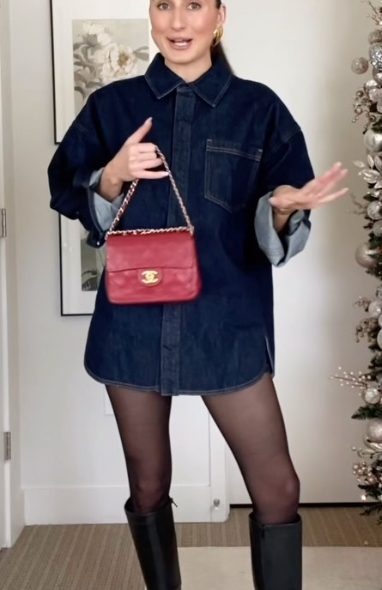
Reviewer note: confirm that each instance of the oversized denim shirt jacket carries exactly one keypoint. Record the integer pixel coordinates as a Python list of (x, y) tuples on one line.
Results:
[(229, 143)]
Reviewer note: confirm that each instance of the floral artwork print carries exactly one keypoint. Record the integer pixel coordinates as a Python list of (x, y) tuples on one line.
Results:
[(106, 51)]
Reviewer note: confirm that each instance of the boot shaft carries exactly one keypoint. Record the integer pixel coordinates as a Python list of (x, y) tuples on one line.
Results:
[(155, 542), (276, 555)]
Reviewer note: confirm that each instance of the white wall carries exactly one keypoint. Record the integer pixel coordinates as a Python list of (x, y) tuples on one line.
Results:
[(72, 463), (303, 49)]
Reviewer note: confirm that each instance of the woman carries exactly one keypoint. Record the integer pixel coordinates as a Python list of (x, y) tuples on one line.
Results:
[(241, 164)]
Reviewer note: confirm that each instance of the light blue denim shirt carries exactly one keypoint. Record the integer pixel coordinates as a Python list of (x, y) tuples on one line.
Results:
[(278, 248)]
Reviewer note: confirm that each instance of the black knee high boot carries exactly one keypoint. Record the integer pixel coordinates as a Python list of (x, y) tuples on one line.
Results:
[(155, 542), (276, 555)]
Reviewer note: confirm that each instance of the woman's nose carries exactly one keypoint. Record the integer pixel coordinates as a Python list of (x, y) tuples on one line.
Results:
[(178, 20)]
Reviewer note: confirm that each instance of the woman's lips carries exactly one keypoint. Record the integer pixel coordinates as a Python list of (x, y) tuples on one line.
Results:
[(180, 43)]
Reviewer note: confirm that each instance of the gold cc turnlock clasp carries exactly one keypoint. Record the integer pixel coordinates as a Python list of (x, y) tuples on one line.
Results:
[(150, 277)]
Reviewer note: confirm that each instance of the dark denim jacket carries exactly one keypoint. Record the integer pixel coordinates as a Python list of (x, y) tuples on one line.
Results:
[(228, 142)]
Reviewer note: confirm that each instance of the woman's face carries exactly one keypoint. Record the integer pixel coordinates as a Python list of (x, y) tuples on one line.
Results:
[(183, 31)]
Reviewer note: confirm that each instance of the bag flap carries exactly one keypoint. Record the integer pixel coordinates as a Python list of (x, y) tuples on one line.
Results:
[(150, 251)]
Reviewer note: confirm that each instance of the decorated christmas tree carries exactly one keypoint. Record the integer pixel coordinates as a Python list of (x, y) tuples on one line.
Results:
[(368, 103)]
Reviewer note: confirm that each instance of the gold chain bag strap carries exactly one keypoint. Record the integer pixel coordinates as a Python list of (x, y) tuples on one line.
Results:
[(152, 265)]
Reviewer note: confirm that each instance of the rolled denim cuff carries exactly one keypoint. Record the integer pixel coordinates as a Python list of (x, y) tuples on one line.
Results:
[(103, 211), (280, 247)]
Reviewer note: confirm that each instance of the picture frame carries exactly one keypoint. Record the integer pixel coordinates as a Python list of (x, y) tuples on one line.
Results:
[(81, 268), (94, 43)]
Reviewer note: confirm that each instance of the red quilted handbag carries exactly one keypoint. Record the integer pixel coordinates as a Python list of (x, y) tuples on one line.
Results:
[(151, 265)]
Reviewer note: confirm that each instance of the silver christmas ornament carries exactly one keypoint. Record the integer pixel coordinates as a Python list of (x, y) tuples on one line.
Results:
[(374, 210), (377, 228), (375, 53), (375, 36), (373, 141), (375, 309), (372, 395), (360, 65), (372, 480), (379, 338), (363, 257), (369, 85), (374, 430), (375, 94), (377, 75), (380, 321)]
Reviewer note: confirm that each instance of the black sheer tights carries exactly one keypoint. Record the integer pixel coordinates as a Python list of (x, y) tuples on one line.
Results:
[(250, 421)]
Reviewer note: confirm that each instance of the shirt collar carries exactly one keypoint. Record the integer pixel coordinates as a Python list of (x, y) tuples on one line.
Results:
[(210, 86)]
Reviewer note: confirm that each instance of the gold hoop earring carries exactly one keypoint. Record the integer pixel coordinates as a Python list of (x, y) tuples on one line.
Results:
[(218, 35)]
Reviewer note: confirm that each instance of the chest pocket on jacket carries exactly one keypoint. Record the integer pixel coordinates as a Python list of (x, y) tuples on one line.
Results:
[(230, 173)]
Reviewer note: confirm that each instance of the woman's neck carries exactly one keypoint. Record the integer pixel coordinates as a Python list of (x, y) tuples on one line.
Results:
[(192, 71)]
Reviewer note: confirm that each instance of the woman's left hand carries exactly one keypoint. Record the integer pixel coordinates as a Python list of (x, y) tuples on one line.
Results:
[(318, 191)]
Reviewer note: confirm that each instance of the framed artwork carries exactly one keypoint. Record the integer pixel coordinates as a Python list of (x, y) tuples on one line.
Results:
[(80, 269), (94, 43)]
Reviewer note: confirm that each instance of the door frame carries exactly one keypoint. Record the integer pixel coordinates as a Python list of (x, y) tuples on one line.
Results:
[(4, 413), (12, 501)]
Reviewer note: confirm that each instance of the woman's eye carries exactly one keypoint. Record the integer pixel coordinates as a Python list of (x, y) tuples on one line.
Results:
[(163, 6), (194, 5)]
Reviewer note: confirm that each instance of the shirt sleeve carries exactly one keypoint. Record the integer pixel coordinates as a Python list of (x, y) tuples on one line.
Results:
[(279, 248), (81, 152), (285, 161), (103, 212)]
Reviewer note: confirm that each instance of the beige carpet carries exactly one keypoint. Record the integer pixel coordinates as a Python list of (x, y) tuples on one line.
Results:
[(325, 568), (102, 557)]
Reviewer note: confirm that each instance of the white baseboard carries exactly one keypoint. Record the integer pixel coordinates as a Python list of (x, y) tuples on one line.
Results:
[(104, 505)]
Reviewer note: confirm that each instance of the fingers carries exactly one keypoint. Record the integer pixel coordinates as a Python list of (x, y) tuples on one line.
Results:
[(140, 133), (315, 192), (143, 148), (330, 183), (334, 196), (331, 177), (138, 165), (146, 157), (147, 174)]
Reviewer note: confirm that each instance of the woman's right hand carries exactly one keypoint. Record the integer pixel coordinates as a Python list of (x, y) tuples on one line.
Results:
[(134, 160)]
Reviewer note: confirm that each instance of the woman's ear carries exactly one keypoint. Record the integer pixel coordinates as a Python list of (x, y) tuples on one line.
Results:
[(222, 15)]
